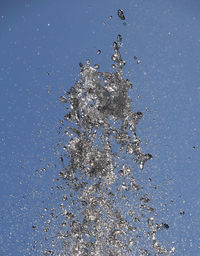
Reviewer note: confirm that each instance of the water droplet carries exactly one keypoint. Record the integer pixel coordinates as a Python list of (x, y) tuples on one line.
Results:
[(98, 52), (172, 250), (87, 62), (119, 41), (114, 57), (121, 14), (139, 61), (165, 225), (119, 38), (65, 148), (63, 99), (141, 166), (115, 46), (96, 66)]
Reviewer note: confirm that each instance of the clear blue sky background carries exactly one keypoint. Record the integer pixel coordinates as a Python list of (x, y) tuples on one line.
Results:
[(42, 43)]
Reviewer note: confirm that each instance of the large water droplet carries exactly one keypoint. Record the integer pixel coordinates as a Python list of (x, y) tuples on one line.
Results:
[(121, 14), (63, 99), (98, 52)]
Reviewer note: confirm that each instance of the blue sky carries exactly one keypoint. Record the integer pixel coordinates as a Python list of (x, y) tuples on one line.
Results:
[(41, 47)]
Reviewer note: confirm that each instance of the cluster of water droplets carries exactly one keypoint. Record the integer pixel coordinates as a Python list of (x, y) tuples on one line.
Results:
[(104, 209)]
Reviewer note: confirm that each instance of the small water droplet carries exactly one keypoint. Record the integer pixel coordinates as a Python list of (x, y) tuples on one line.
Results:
[(98, 52)]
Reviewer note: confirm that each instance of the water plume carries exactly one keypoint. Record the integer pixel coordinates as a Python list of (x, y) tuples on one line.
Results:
[(105, 210)]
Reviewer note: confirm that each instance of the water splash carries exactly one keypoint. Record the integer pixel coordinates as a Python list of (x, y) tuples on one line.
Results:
[(104, 209)]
